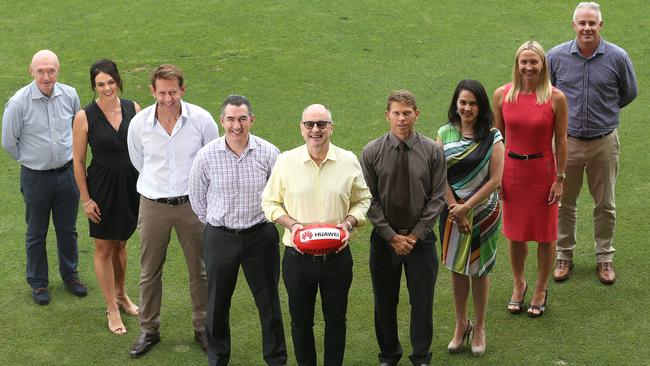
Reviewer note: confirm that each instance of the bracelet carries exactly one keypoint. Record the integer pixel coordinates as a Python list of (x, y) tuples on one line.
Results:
[(295, 223), (561, 175), (87, 203)]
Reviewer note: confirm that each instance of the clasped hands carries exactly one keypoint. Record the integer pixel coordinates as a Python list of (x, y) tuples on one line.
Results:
[(458, 214), (403, 244)]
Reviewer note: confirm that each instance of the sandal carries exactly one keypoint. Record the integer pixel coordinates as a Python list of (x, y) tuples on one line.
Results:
[(515, 307), (115, 325), (128, 306), (539, 308)]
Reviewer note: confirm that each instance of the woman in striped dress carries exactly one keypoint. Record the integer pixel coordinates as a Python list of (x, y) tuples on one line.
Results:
[(469, 226)]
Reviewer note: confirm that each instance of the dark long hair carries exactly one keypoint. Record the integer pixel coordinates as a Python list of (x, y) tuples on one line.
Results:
[(107, 67), (485, 118)]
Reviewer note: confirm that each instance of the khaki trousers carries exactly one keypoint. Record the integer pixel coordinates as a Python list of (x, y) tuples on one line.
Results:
[(155, 222), (599, 159)]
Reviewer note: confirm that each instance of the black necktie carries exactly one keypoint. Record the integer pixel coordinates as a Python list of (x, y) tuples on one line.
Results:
[(402, 190)]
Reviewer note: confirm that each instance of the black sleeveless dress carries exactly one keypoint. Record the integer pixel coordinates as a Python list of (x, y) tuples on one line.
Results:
[(111, 176)]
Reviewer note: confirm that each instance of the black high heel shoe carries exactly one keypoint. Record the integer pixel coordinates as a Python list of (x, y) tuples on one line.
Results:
[(467, 336), (539, 308), (519, 304)]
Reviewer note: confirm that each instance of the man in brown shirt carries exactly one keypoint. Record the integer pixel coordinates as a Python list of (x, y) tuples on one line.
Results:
[(406, 174)]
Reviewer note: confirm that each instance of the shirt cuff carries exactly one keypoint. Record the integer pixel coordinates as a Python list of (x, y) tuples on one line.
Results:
[(386, 232), (420, 231)]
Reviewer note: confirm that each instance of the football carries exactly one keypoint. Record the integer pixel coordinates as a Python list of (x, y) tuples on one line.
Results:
[(318, 239)]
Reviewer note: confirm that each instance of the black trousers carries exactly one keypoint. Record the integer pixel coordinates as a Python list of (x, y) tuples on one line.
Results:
[(303, 276), (421, 269), (259, 255)]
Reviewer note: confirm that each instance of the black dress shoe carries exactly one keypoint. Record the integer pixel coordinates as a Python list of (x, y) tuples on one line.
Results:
[(202, 339), (41, 296), (76, 287), (143, 344), (387, 364)]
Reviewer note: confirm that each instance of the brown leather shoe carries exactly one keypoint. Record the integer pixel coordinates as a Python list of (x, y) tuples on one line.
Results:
[(562, 270), (606, 273)]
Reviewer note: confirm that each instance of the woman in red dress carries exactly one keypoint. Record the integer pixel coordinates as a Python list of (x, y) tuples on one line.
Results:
[(532, 116)]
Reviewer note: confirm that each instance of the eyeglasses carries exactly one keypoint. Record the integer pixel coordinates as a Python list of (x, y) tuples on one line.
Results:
[(321, 124)]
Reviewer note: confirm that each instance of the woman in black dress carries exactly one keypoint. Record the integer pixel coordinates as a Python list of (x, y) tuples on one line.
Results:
[(108, 188)]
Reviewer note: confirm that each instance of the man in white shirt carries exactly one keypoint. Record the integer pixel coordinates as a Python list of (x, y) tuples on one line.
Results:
[(163, 140)]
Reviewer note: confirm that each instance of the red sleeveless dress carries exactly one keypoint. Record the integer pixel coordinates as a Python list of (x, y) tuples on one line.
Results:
[(526, 183)]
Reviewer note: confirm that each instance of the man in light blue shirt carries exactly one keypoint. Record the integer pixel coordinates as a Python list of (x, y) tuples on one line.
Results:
[(598, 80), (37, 132)]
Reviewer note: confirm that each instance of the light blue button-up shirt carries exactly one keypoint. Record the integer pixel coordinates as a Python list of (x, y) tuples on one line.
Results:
[(37, 130)]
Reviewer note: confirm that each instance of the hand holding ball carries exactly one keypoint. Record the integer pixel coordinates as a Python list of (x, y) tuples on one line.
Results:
[(318, 239)]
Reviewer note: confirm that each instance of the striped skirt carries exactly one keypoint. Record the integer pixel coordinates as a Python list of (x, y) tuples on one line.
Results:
[(471, 254)]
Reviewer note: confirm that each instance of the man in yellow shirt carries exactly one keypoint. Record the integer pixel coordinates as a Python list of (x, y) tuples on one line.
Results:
[(316, 183)]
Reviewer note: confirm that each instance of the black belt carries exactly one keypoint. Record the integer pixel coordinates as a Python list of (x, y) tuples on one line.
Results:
[(55, 170), (172, 201), (403, 230), (249, 230), (591, 137), (314, 257), (514, 155)]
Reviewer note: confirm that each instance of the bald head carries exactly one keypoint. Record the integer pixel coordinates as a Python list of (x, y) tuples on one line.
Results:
[(44, 55), (316, 109), (45, 70)]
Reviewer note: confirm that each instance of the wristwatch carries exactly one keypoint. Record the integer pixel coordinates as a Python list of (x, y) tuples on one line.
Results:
[(561, 175)]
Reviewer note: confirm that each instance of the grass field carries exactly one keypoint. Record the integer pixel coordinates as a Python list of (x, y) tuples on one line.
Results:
[(285, 55)]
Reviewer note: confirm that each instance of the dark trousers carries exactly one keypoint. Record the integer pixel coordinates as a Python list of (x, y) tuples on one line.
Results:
[(303, 275), (421, 269), (258, 254), (45, 193)]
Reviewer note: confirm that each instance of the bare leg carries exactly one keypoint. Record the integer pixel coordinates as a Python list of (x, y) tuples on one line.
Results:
[(480, 291), (103, 259), (545, 261), (119, 268), (518, 254), (460, 287)]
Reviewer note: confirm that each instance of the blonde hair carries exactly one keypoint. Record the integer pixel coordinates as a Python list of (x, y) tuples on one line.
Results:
[(544, 87)]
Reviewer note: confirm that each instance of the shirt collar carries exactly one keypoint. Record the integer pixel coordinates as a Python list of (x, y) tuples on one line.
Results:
[(331, 154), (151, 119), (600, 49), (37, 94), (409, 141), (252, 144)]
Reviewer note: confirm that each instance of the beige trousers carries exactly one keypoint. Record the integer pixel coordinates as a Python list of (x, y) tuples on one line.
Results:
[(155, 223), (599, 159)]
